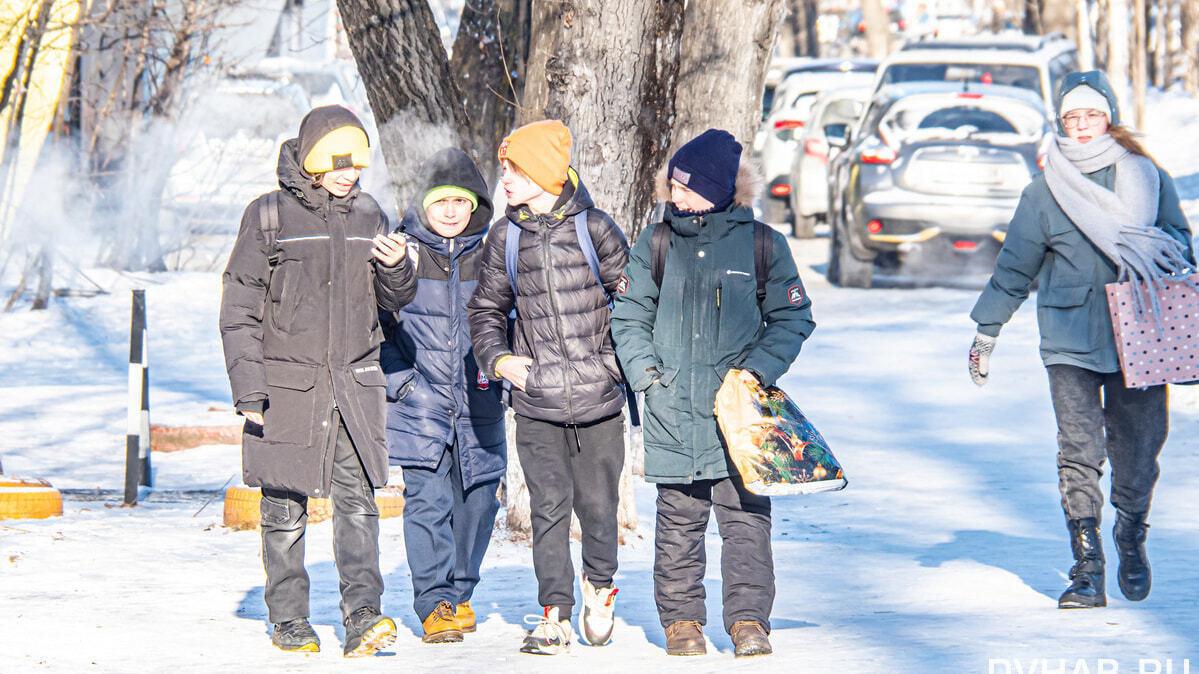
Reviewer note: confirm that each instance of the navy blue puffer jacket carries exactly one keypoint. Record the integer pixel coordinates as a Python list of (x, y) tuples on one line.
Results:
[(435, 393)]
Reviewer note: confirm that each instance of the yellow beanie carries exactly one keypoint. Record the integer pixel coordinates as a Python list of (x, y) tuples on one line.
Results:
[(542, 151), (341, 148)]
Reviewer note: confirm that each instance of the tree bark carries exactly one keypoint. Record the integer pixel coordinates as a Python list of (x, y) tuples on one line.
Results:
[(797, 33), (1059, 16), (726, 51), (1139, 51), (1117, 44), (878, 32), (416, 103), (1190, 44), (488, 64), (1086, 43)]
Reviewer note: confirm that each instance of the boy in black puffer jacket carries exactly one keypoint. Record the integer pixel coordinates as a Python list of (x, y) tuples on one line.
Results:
[(445, 419), (567, 391)]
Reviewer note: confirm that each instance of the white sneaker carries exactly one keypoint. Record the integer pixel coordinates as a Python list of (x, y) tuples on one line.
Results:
[(549, 635), (599, 610)]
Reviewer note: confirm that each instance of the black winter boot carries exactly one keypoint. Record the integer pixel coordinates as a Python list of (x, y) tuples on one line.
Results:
[(1086, 589), (1129, 534)]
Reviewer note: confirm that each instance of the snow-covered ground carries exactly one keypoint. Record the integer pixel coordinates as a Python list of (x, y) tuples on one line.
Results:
[(945, 554)]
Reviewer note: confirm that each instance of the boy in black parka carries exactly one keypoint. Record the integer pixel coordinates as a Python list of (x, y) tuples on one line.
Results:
[(301, 339)]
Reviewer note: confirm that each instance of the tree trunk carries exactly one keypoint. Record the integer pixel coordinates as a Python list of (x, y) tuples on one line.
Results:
[(1139, 58), (1103, 35), (417, 105), (489, 64), (878, 30), (1118, 22), (726, 51), (1086, 44), (1190, 44), (1031, 20), (797, 32), (1059, 16)]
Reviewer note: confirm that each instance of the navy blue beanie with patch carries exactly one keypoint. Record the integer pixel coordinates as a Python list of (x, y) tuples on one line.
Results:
[(707, 165)]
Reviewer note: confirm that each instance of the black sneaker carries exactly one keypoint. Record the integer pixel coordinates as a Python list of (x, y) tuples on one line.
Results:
[(296, 635), (368, 632)]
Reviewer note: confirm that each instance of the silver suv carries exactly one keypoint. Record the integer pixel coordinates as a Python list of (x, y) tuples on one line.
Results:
[(1037, 63)]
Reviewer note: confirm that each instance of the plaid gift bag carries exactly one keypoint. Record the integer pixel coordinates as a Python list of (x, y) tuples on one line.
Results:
[(1161, 351)]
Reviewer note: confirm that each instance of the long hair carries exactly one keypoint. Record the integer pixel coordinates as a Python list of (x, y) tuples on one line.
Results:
[(1128, 140)]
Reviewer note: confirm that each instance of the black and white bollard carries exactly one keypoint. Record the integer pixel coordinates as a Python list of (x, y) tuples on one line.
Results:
[(137, 438)]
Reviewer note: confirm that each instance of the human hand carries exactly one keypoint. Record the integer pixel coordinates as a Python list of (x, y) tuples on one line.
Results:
[(515, 369), (980, 357), (254, 417), (389, 249)]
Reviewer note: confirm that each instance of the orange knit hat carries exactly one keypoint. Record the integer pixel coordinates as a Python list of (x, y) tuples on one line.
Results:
[(542, 151)]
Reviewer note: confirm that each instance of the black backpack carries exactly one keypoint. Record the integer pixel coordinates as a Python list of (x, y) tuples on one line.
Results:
[(660, 244)]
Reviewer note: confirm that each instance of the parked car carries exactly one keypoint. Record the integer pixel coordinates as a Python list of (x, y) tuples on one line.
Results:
[(809, 167), (1037, 63), (779, 66), (930, 168), (793, 100)]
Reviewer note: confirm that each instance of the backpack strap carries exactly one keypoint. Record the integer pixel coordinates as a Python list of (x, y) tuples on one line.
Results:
[(268, 221), (511, 253), (588, 247), (762, 254), (659, 245)]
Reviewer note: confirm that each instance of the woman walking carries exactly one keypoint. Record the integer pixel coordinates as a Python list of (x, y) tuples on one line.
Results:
[(1102, 210)]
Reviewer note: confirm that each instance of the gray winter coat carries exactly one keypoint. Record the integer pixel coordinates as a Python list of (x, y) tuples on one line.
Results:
[(562, 313), (306, 337), (1043, 244)]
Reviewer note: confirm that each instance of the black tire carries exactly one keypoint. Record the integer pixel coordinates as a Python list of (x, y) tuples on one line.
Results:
[(803, 226), (844, 269)]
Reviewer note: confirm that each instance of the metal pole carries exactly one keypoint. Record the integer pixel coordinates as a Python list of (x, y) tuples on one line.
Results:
[(133, 434)]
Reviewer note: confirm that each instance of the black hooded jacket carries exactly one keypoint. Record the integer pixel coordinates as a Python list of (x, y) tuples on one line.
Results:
[(561, 312), (306, 336)]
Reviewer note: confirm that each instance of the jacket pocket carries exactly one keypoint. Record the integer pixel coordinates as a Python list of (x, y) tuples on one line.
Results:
[(738, 318), (285, 294), (663, 420), (1067, 320), (291, 402)]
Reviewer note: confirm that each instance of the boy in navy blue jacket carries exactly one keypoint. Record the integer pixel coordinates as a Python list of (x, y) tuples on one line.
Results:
[(445, 419)]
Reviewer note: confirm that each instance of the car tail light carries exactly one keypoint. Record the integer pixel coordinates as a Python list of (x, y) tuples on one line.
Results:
[(967, 94), (1041, 161), (861, 26), (784, 124), (781, 190), (815, 147), (964, 245), (902, 24), (874, 227), (878, 155), (987, 78)]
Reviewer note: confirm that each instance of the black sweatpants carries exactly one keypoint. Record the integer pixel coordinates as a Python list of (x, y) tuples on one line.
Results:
[(355, 538), (1098, 418), (563, 475), (680, 557)]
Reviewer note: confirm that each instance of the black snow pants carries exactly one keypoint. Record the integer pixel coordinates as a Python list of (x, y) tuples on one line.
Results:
[(563, 475), (1098, 418), (355, 538), (680, 557)]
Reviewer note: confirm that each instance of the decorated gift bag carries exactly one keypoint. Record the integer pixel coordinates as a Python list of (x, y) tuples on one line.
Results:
[(772, 444), (1159, 342)]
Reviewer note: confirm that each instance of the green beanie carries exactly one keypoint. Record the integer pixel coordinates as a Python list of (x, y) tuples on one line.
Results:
[(446, 191)]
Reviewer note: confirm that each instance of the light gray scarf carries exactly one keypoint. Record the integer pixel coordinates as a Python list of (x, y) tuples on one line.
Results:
[(1121, 223)]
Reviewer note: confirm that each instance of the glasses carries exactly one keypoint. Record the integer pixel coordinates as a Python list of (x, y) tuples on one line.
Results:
[(1093, 117)]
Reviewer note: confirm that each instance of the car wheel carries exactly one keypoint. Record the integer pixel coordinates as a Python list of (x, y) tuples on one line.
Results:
[(775, 211), (803, 226), (844, 269)]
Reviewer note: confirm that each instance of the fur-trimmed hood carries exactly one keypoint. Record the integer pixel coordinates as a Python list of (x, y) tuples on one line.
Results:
[(748, 185)]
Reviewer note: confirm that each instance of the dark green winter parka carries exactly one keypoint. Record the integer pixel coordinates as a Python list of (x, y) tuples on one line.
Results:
[(703, 321)]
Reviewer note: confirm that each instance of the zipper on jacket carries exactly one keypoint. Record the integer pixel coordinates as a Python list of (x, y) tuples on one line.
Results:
[(549, 284)]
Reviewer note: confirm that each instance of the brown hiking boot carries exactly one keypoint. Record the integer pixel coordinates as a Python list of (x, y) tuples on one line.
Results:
[(441, 627), (685, 637), (749, 638)]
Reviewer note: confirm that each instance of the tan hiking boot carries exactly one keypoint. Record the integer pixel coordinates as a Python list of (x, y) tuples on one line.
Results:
[(465, 615), (685, 637), (441, 627)]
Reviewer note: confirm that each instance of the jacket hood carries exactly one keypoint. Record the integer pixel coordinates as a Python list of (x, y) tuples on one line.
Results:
[(292, 178), (1091, 78), (746, 190), (574, 198), (449, 166)]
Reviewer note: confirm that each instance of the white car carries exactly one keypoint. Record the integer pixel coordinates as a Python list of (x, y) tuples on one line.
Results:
[(789, 113), (809, 169)]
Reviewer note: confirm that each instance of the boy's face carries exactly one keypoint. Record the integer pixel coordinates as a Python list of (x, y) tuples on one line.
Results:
[(687, 200), (448, 217), (341, 181), (518, 187)]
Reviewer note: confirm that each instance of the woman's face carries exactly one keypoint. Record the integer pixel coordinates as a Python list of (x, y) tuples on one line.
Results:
[(686, 200), (1085, 125)]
